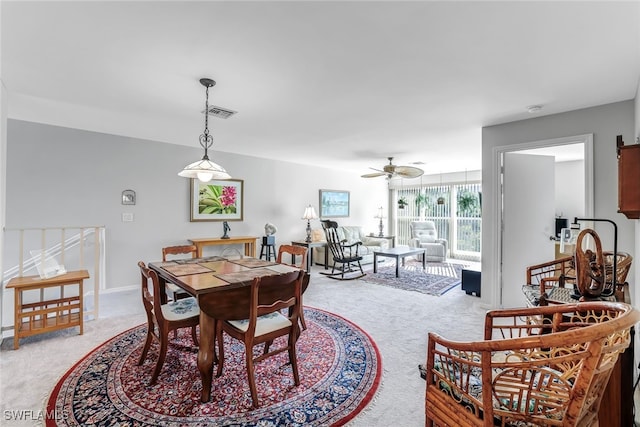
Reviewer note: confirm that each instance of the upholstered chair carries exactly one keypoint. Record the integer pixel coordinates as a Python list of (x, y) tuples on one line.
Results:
[(424, 235)]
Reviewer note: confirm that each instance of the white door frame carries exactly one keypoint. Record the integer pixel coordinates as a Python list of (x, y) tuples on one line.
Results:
[(494, 258)]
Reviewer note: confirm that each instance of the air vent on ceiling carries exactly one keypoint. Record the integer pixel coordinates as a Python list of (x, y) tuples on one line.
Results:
[(219, 112)]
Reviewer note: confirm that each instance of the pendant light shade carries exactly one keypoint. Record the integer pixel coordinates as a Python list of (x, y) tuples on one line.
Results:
[(204, 169)]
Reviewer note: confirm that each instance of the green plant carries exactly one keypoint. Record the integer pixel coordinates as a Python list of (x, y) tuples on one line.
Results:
[(402, 202), (467, 203), (421, 200)]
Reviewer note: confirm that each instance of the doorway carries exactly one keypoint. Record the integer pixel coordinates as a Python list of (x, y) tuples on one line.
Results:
[(493, 264)]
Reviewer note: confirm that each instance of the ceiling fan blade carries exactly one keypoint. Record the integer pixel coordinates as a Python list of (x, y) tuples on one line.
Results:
[(408, 171), (373, 175)]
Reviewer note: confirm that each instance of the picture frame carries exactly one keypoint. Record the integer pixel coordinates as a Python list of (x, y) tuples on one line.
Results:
[(334, 203), (128, 197), (217, 200)]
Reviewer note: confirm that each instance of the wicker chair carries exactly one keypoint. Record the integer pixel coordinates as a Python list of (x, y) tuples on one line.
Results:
[(556, 279), (543, 366)]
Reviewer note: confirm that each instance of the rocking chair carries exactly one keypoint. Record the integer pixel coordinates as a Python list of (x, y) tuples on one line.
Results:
[(344, 254)]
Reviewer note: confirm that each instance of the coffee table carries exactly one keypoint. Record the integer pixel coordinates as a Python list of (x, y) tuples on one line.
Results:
[(399, 254)]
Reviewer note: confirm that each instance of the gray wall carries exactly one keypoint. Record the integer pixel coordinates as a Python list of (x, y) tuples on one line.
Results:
[(67, 177), (604, 122)]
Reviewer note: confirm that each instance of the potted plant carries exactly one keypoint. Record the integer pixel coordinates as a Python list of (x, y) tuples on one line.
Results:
[(402, 202), (467, 203), (421, 202)]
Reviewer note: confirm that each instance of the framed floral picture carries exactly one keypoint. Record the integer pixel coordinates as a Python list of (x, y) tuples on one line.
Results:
[(217, 200)]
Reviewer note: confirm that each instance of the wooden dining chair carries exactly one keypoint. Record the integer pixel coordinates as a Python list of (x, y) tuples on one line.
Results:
[(182, 313), (297, 253), (173, 252), (256, 317)]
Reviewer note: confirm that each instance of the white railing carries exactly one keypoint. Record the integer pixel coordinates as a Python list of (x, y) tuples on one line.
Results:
[(74, 247)]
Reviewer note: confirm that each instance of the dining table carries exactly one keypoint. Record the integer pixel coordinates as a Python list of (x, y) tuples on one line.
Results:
[(214, 281)]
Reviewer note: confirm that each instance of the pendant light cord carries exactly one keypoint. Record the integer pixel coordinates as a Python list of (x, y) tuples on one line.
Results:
[(206, 140)]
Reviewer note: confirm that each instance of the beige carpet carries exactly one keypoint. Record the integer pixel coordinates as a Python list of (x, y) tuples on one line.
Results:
[(397, 320)]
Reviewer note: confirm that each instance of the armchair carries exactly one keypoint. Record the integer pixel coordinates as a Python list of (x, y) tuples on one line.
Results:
[(545, 366), (424, 235), (555, 281)]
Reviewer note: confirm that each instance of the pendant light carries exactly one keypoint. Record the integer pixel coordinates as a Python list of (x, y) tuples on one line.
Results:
[(205, 170)]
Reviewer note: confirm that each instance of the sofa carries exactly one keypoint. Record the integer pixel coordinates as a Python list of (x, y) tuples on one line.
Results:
[(424, 235), (351, 234)]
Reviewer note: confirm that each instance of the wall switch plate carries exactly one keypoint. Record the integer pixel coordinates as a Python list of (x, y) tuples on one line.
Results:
[(127, 217)]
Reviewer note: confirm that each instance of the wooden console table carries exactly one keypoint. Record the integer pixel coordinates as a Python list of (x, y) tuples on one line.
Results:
[(46, 315), (248, 241)]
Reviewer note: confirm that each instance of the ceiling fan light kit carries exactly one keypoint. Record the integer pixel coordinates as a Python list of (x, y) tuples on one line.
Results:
[(392, 171)]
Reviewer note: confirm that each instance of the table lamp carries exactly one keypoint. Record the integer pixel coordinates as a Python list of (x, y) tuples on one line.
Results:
[(381, 225), (309, 214)]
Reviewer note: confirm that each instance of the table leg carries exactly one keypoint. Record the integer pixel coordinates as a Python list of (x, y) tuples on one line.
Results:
[(375, 262), (326, 257), (206, 353), (424, 260), (309, 260), (398, 266), (17, 310), (81, 293), (198, 250)]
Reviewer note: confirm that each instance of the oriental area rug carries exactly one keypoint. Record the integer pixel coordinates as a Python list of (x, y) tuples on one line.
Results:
[(339, 365), (436, 279)]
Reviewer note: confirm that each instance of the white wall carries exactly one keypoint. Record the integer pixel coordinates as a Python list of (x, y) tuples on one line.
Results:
[(604, 122), (63, 177), (570, 187)]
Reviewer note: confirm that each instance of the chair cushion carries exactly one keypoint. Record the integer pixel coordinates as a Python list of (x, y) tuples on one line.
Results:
[(509, 389), (180, 309), (425, 236), (267, 323)]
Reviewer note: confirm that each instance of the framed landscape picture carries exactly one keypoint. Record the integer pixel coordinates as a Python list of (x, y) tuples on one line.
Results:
[(334, 204), (217, 200)]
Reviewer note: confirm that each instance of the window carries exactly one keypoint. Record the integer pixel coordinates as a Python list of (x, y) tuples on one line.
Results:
[(456, 210)]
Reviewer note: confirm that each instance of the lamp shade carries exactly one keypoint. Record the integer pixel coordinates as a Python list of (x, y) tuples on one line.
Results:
[(205, 170), (309, 213)]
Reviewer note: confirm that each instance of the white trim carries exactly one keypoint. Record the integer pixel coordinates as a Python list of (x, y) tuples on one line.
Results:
[(494, 262), (114, 290)]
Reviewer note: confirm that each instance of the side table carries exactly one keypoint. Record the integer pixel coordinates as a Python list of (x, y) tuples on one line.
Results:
[(47, 314), (310, 246)]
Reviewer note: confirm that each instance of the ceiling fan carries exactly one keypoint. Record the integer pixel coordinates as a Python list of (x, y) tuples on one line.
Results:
[(392, 171)]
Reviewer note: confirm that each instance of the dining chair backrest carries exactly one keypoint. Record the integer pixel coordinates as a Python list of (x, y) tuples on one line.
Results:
[(262, 291), (299, 253), (179, 250), (150, 293)]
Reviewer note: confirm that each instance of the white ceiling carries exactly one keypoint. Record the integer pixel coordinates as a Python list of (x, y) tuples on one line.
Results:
[(340, 84)]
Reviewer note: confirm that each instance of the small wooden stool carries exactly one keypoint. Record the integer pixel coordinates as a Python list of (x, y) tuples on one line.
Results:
[(268, 243)]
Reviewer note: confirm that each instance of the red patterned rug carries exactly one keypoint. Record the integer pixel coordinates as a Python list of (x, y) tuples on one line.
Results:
[(339, 365)]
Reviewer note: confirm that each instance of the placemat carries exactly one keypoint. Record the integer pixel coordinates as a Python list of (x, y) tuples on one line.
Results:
[(185, 269), (245, 276), (252, 262)]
